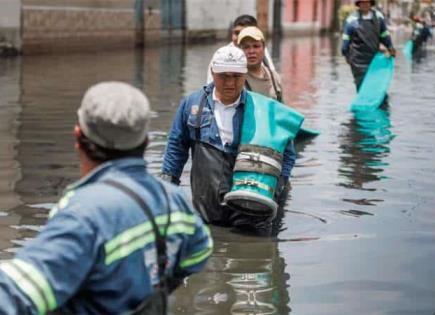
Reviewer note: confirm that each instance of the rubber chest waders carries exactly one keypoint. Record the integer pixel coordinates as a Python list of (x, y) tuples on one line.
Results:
[(211, 174), (267, 128), (364, 47)]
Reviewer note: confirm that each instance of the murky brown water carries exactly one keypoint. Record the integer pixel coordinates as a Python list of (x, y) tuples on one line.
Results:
[(358, 236)]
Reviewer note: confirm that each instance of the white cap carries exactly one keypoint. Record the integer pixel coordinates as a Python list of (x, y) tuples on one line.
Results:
[(114, 115), (229, 59)]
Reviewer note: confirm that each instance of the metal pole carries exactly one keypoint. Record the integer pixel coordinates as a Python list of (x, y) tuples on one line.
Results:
[(139, 23)]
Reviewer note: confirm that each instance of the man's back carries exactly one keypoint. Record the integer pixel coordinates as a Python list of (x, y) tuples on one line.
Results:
[(97, 254)]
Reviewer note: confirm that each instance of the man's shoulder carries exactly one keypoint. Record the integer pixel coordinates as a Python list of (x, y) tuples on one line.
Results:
[(353, 17), (195, 98), (378, 14)]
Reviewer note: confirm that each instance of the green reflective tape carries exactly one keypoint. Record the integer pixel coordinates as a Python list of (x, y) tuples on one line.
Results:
[(196, 258), (42, 282), (385, 34), (129, 248), (141, 235), (32, 283), (175, 217), (351, 18), (180, 228), (53, 211), (210, 239), (345, 37), (63, 202), (126, 236)]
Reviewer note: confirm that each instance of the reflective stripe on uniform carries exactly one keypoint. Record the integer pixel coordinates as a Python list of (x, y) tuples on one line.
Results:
[(385, 34), (202, 254), (32, 283), (139, 236), (345, 37), (63, 202), (351, 18), (196, 258)]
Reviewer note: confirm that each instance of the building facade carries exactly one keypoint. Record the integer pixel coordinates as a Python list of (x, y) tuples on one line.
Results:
[(71, 25), (307, 16)]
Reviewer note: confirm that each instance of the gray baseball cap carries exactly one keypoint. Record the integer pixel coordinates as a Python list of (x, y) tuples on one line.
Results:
[(114, 115)]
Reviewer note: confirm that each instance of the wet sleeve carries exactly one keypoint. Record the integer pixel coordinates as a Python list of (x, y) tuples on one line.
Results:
[(385, 35), (346, 38), (197, 248), (289, 160), (177, 149), (44, 274), (13, 301)]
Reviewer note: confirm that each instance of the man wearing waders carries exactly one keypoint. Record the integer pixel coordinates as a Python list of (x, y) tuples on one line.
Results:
[(119, 240), (209, 123), (364, 31)]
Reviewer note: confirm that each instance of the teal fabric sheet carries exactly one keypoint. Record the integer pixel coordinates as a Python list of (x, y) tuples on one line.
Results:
[(306, 133), (269, 123), (375, 84), (407, 50)]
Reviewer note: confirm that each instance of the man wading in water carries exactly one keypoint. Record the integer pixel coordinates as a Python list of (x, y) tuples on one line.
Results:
[(209, 123), (363, 33), (119, 240)]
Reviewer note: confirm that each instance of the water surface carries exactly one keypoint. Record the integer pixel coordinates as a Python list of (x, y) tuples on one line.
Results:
[(358, 235)]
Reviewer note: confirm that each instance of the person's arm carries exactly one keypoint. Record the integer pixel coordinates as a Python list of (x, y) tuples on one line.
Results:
[(197, 247), (177, 149), (48, 270), (386, 38), (346, 38)]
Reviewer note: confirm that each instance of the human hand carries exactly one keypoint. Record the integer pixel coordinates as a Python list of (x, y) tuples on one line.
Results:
[(169, 178), (392, 52)]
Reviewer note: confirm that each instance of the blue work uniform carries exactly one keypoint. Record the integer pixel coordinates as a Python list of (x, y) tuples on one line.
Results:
[(361, 39), (97, 253), (212, 161)]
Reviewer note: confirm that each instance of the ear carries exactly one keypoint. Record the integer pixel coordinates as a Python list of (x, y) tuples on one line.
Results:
[(77, 134)]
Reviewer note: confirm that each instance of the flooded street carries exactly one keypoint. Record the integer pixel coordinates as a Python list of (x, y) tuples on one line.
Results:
[(358, 236)]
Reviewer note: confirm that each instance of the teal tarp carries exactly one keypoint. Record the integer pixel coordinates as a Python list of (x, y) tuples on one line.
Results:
[(375, 84), (407, 50), (305, 133)]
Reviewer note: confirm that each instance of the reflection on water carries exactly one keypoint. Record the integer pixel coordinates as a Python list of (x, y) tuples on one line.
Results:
[(245, 275), (365, 146), (358, 232)]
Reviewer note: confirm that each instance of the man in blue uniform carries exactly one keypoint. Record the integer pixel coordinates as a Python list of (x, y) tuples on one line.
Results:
[(119, 239), (209, 123), (363, 33)]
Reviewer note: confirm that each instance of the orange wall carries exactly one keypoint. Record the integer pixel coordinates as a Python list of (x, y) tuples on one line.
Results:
[(308, 11)]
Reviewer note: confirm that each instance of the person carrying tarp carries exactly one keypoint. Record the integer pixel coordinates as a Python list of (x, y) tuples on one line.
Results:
[(364, 31), (209, 124), (420, 33), (119, 240)]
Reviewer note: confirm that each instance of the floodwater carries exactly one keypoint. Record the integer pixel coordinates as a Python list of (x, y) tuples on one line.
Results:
[(358, 235)]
